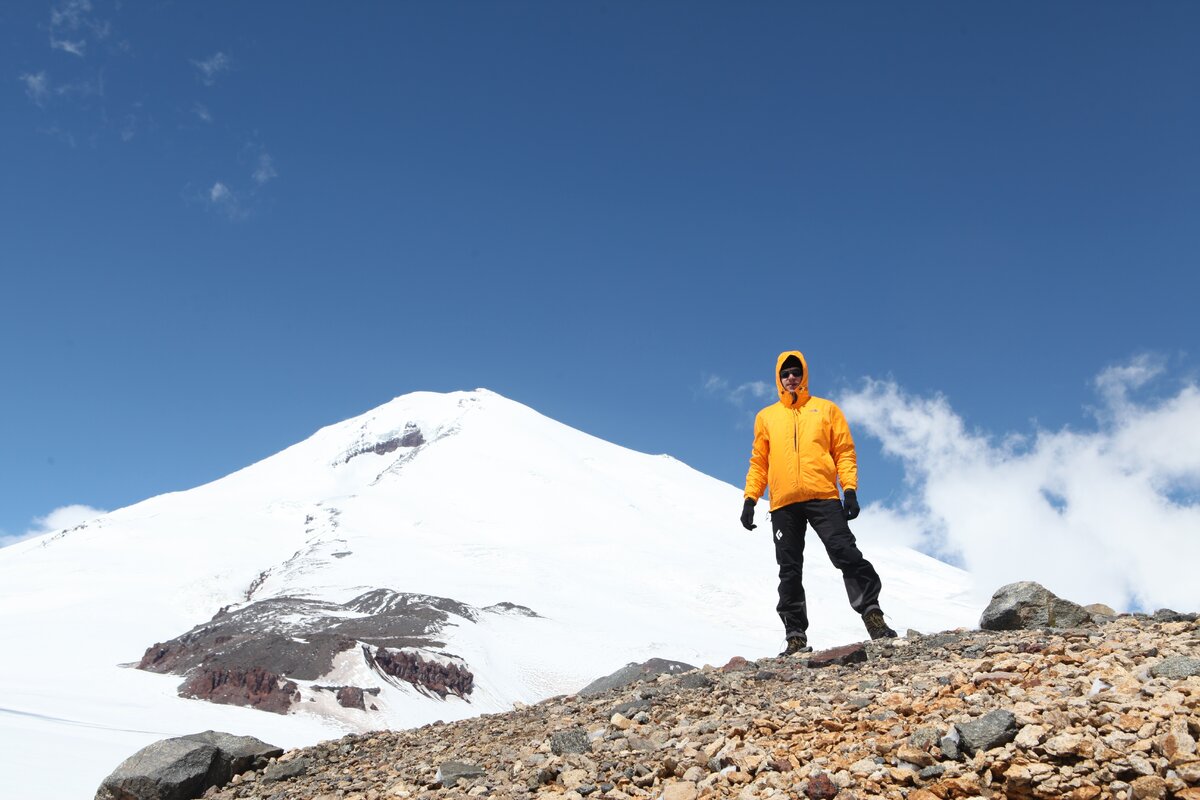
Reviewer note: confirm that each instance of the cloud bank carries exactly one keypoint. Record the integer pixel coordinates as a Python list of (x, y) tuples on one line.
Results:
[(1110, 514), (57, 520)]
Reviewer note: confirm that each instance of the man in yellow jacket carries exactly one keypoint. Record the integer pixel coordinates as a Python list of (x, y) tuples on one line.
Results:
[(802, 449)]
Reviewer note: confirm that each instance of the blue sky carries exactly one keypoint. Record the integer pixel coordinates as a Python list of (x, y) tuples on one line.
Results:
[(225, 225)]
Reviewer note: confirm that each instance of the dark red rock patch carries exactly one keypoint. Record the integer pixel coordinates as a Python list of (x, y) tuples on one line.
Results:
[(441, 679), (351, 697), (255, 688)]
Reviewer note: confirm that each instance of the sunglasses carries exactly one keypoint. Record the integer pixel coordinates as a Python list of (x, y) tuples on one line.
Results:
[(791, 372)]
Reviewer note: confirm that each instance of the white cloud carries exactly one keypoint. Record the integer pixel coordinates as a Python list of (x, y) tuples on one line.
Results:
[(37, 87), (1115, 383), (211, 68), (225, 200), (57, 520), (76, 48), (1105, 515), (740, 394), (265, 170), (220, 193), (71, 15), (201, 111), (71, 24)]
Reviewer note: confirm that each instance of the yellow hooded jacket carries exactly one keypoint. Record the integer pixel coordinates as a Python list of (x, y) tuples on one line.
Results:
[(802, 447)]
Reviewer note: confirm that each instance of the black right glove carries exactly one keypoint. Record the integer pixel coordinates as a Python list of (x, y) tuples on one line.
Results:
[(748, 515)]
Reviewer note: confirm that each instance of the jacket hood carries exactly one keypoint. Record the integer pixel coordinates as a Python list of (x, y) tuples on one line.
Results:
[(801, 396)]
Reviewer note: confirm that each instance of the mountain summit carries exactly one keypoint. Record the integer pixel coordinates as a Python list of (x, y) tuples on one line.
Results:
[(441, 556)]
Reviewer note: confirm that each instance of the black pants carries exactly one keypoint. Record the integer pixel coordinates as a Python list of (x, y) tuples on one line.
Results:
[(788, 524)]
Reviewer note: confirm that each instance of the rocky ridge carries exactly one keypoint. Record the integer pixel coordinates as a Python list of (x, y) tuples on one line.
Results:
[(1110, 710), (255, 655)]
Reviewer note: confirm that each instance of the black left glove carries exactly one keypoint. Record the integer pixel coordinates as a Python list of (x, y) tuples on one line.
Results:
[(748, 515), (850, 507)]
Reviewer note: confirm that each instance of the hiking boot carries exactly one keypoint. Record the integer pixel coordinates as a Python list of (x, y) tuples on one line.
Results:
[(796, 644), (876, 626)]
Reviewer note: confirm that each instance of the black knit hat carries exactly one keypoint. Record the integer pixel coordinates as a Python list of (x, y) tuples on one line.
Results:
[(791, 361)]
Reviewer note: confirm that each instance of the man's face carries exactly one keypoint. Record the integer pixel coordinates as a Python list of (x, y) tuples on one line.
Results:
[(791, 376)]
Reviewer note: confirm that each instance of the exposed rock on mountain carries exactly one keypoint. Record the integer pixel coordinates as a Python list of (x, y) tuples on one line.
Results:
[(254, 687), (440, 678), (411, 436), (1107, 711), (253, 655)]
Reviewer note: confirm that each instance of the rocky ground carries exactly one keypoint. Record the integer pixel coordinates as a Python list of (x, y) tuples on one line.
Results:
[(1106, 711)]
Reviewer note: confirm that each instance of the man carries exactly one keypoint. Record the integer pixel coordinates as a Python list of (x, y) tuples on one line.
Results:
[(802, 449)]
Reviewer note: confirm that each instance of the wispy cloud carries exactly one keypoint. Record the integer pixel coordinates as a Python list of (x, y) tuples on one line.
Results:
[(739, 395), (128, 128), (220, 193), (241, 200), (211, 68), (55, 132), (265, 171), (1103, 515), (75, 48), (201, 111), (71, 15), (58, 519), (71, 24), (37, 87), (225, 201)]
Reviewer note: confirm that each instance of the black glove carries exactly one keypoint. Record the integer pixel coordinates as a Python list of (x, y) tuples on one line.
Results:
[(850, 507), (748, 515)]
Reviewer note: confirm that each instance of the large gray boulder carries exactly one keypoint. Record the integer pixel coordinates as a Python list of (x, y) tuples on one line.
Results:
[(635, 673), (238, 754), (1027, 605), (183, 768)]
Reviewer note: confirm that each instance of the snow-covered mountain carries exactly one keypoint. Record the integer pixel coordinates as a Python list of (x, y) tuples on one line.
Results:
[(458, 532)]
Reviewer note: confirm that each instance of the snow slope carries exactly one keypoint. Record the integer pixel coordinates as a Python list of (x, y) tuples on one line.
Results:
[(469, 496)]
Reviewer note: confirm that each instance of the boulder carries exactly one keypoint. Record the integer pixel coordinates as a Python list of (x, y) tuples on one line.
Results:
[(1027, 605), (993, 729), (572, 741), (635, 673), (1176, 668), (171, 769), (237, 754), (695, 680), (286, 770), (451, 771), (185, 767), (351, 697), (1169, 615), (840, 656)]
